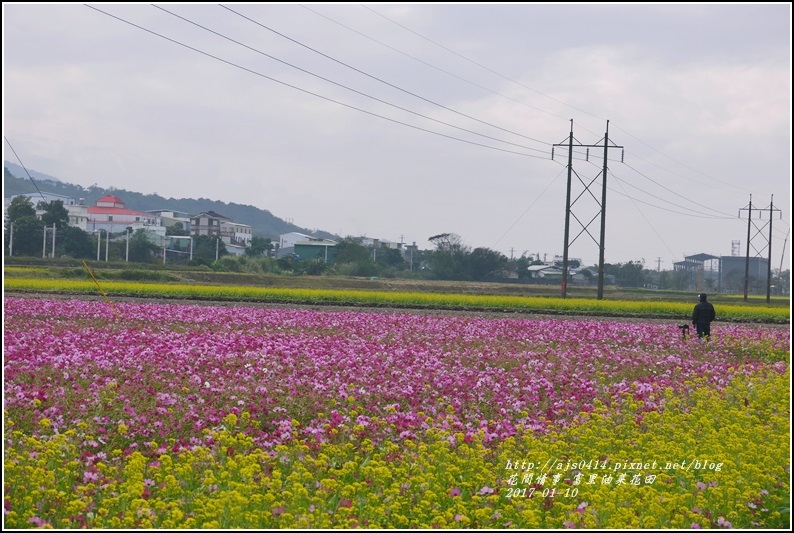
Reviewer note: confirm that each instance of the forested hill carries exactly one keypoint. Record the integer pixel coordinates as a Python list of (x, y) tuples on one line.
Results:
[(263, 222)]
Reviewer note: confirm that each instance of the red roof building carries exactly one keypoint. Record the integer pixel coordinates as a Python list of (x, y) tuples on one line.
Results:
[(109, 214)]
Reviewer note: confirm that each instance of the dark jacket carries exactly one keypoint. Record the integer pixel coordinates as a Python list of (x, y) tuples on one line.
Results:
[(703, 314)]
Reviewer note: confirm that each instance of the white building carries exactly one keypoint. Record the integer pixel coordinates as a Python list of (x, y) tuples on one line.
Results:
[(288, 240), (170, 218)]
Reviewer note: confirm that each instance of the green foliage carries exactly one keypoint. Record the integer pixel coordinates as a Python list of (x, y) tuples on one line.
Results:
[(137, 274), (206, 247), (631, 274), (55, 213), (28, 234), (483, 263), (453, 260), (142, 250), (74, 242), (177, 230), (20, 207), (259, 247), (315, 267), (351, 250), (355, 269), (389, 258)]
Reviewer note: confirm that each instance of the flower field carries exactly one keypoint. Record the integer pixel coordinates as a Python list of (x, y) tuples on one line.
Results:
[(188, 416)]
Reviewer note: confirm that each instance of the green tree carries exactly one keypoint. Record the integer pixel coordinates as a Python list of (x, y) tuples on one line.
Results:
[(27, 233), (448, 260), (142, 250), (520, 266), (204, 247), (352, 258), (177, 230), (75, 243), (259, 247), (20, 206), (629, 274), (390, 258), (351, 250), (55, 213), (315, 267), (482, 263)]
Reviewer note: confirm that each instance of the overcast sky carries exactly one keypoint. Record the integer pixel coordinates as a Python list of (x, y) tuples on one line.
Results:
[(403, 121)]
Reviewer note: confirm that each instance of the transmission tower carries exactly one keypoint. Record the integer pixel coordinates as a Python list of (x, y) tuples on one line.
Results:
[(751, 224), (602, 204)]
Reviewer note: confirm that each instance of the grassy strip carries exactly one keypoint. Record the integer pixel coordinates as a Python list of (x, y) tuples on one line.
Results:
[(678, 310)]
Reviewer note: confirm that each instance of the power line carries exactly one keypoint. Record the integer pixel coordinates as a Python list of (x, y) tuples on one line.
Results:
[(386, 82), (25, 169), (688, 214), (433, 66), (653, 229), (528, 208), (345, 86), (531, 89), (483, 66), (307, 91), (724, 215), (681, 163)]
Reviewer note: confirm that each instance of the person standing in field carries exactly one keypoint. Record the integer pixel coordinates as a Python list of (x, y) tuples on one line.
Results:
[(702, 316)]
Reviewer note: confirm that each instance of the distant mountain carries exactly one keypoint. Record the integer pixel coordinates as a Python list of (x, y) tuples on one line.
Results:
[(263, 223), (19, 172)]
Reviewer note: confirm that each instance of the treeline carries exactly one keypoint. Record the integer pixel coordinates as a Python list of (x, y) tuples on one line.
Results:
[(448, 259)]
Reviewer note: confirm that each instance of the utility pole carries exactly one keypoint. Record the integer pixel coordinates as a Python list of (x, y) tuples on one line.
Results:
[(602, 205), (44, 242), (780, 270), (769, 252), (747, 256)]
